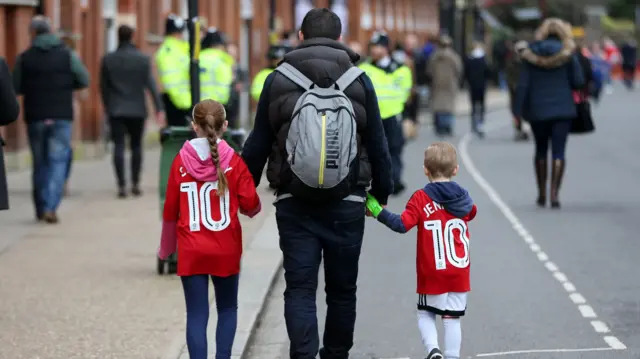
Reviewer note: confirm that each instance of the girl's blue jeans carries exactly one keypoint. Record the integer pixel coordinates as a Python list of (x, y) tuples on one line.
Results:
[(196, 295)]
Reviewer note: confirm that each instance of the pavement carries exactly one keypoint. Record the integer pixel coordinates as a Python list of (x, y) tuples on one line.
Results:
[(547, 284), (88, 288)]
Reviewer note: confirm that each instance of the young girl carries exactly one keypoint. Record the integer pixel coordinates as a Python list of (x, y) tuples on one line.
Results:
[(208, 184)]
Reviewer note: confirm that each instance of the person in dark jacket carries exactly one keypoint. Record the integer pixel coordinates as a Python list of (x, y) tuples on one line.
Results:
[(544, 96), (512, 72), (629, 52), (332, 231), (9, 110), (125, 74), (476, 75), (46, 74)]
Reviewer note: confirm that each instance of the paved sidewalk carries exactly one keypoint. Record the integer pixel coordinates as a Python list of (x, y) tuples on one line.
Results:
[(87, 288)]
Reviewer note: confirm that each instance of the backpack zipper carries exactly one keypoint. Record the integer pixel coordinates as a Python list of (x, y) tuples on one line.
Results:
[(323, 149)]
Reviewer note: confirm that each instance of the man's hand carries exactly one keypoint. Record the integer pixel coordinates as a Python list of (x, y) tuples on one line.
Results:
[(373, 206), (161, 119)]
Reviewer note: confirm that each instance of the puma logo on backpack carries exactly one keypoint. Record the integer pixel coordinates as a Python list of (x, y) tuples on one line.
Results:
[(321, 145)]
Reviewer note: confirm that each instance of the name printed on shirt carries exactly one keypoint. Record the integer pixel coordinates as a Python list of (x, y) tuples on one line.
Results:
[(431, 208)]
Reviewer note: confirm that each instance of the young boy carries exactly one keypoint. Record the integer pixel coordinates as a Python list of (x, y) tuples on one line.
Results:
[(441, 211)]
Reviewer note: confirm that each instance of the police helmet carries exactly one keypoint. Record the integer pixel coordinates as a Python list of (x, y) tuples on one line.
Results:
[(380, 38), (213, 37), (174, 24), (276, 52)]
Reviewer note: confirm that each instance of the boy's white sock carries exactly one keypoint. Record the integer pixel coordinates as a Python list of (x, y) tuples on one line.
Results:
[(428, 330), (452, 337)]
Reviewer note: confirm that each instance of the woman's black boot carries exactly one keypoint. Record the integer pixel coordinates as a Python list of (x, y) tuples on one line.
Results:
[(541, 179), (557, 170)]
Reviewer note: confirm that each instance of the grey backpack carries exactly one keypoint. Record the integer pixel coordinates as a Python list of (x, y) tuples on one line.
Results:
[(321, 145)]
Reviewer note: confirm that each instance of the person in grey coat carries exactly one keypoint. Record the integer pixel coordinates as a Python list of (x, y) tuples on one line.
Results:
[(9, 110), (125, 74)]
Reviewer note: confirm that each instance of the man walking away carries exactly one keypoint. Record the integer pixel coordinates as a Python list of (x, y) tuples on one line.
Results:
[(512, 72), (125, 74), (445, 71), (629, 54), (310, 228), (9, 110), (476, 74), (46, 74)]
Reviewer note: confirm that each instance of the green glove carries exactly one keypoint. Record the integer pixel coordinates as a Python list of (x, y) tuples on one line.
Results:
[(373, 205)]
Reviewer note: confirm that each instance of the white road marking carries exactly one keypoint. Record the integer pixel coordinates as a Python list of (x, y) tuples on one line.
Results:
[(543, 257), (569, 287), (599, 326), (614, 343), (539, 351), (577, 298), (552, 267), (561, 277), (585, 309)]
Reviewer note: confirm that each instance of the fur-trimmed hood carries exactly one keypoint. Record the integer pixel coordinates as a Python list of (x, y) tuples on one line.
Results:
[(554, 45)]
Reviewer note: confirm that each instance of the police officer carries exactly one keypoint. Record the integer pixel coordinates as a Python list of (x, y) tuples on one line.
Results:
[(172, 61), (392, 82), (275, 54), (216, 72), (216, 67)]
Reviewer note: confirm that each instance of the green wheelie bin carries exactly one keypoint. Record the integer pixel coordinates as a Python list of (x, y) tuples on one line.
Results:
[(171, 139)]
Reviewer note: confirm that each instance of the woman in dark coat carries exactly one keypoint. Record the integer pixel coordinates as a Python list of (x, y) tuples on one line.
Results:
[(544, 96), (9, 110)]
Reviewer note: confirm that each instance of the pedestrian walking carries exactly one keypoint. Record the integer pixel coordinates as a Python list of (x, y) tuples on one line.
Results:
[(417, 64), (500, 52), (443, 276), (629, 52), (445, 71), (208, 185), (512, 72), (9, 110), (549, 75), (315, 222), (125, 74), (46, 74), (476, 75)]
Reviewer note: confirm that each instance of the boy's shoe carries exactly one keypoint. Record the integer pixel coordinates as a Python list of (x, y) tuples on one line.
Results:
[(435, 354)]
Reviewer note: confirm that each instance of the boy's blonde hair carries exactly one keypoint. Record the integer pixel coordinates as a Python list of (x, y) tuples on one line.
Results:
[(441, 159)]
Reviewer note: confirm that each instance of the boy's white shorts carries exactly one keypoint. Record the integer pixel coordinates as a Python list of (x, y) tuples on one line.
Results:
[(450, 304)]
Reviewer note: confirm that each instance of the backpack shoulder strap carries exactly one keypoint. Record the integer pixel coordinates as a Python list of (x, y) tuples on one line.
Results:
[(348, 77), (294, 75)]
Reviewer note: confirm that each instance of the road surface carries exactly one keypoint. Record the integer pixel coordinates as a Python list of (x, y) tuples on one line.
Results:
[(545, 283)]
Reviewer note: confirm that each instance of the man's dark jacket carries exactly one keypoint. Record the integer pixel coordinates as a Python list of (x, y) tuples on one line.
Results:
[(9, 110), (125, 74), (323, 61), (47, 74)]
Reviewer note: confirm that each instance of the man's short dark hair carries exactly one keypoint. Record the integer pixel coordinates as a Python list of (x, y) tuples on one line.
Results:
[(321, 23), (125, 33)]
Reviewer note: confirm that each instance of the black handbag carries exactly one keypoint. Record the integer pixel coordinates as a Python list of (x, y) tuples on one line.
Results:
[(583, 122)]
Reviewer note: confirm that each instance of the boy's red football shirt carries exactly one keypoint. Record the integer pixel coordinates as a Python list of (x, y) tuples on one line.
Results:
[(442, 261)]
